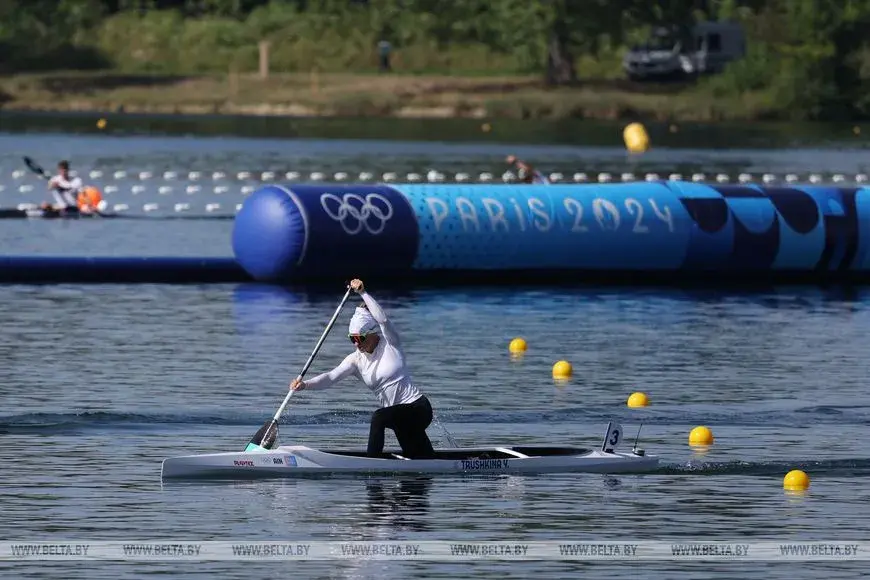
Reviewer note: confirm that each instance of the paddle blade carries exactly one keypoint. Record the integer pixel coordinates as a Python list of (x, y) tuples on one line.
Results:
[(264, 438), (34, 167)]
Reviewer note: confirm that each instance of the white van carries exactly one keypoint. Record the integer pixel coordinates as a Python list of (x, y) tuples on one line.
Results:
[(710, 47)]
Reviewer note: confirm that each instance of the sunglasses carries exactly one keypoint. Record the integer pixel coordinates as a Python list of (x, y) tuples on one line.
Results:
[(357, 339)]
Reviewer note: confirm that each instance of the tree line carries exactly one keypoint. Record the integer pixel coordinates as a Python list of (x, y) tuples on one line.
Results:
[(810, 56)]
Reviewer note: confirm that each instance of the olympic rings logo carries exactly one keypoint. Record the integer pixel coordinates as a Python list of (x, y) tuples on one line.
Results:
[(356, 213)]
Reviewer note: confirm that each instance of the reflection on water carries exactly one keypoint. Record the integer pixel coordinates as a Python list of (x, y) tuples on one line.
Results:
[(399, 504)]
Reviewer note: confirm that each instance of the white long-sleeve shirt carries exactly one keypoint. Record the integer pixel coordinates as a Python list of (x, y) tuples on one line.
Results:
[(384, 371), (65, 190)]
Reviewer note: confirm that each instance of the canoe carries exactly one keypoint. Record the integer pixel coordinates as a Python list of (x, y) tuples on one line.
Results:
[(299, 461)]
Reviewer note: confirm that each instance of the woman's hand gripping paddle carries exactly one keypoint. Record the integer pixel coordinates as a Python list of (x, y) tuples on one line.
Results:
[(267, 435)]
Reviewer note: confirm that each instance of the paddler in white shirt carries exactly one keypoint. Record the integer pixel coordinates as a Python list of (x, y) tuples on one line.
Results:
[(65, 189), (379, 363)]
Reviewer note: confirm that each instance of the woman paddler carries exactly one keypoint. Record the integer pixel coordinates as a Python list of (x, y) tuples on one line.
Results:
[(379, 363)]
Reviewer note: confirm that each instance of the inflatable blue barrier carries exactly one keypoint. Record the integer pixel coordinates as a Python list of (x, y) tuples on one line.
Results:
[(156, 270), (665, 228)]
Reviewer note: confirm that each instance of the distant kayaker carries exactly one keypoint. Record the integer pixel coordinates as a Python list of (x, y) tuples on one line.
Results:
[(525, 172), (379, 362), (65, 189)]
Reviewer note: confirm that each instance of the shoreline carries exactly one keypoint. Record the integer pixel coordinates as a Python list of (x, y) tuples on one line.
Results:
[(310, 95)]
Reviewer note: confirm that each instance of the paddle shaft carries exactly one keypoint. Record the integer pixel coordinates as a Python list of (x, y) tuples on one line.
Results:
[(314, 353)]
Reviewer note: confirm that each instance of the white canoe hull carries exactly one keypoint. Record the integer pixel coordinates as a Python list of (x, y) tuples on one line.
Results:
[(298, 460)]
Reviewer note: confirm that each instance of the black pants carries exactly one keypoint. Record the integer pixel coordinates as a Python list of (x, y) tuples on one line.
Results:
[(409, 423)]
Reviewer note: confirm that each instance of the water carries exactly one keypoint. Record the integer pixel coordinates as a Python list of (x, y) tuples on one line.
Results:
[(100, 383), (117, 378)]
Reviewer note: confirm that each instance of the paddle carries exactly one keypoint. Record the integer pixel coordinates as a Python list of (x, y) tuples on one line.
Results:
[(36, 168), (267, 435)]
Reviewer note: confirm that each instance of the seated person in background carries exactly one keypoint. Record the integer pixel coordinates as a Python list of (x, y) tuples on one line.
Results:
[(525, 172), (65, 189)]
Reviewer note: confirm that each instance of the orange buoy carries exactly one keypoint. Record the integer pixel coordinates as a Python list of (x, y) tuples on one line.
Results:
[(89, 198)]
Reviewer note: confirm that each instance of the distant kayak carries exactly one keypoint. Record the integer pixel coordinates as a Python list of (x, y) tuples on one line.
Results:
[(38, 213)]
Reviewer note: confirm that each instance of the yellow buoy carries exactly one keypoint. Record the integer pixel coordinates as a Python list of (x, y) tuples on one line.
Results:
[(701, 436), (562, 370), (486, 127), (796, 480), (636, 138), (101, 124), (517, 345), (638, 400)]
